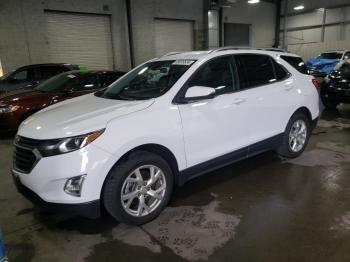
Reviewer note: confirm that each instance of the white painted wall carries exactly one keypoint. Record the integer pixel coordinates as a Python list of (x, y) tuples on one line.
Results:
[(144, 13), (260, 16)]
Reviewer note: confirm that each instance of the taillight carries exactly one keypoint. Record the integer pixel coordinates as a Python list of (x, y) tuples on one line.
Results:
[(316, 84)]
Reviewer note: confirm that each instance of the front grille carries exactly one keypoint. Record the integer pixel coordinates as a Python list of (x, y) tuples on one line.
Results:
[(25, 156)]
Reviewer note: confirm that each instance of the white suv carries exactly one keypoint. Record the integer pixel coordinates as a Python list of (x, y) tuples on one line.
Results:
[(167, 121)]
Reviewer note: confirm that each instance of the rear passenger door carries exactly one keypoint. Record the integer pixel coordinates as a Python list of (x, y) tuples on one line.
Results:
[(265, 85)]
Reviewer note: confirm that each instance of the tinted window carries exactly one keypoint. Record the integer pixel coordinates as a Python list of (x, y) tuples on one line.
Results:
[(76, 81), (109, 78), (217, 73), (281, 73), (48, 71), (296, 62), (347, 55), (23, 75), (332, 55), (254, 70), (85, 82)]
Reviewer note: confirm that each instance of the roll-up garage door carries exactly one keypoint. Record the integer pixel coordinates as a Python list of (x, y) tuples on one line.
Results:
[(172, 35), (82, 39)]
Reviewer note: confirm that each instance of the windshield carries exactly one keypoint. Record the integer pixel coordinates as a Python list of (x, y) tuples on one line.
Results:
[(56, 83), (151, 80), (333, 55)]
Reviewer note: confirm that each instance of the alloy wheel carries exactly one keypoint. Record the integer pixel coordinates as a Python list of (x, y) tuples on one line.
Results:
[(143, 190), (297, 135)]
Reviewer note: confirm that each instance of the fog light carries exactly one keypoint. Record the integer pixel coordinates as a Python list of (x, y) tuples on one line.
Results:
[(74, 185)]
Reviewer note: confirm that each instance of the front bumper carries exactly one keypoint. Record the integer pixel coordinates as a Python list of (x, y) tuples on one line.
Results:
[(90, 209), (45, 183)]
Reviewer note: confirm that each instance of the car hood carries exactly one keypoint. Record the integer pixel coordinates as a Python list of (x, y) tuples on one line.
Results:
[(324, 65), (78, 116), (25, 94)]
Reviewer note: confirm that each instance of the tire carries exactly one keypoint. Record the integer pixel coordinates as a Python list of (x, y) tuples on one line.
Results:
[(124, 180), (286, 149)]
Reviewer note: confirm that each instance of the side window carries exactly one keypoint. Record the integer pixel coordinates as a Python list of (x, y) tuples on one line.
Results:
[(48, 71), (109, 79), (281, 73), (22, 76), (296, 62), (85, 82), (217, 73), (347, 55), (254, 70)]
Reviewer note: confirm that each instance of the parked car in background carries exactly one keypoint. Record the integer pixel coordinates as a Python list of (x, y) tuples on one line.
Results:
[(335, 88), (165, 122), (31, 75), (326, 62), (20, 104)]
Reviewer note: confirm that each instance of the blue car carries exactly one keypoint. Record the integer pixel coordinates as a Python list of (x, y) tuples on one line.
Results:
[(2, 249), (327, 62)]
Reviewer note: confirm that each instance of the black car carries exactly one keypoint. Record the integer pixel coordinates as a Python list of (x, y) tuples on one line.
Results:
[(335, 88), (31, 75)]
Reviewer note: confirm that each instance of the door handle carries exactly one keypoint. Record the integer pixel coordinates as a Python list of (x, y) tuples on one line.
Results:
[(238, 101)]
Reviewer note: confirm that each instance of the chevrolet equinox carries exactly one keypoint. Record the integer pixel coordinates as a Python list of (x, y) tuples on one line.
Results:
[(124, 148)]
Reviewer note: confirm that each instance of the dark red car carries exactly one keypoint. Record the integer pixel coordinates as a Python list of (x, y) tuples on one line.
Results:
[(18, 105)]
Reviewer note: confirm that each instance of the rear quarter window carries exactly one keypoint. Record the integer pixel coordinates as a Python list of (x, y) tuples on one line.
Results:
[(297, 63)]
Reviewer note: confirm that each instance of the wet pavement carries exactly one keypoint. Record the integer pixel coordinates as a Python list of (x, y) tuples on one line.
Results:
[(262, 209)]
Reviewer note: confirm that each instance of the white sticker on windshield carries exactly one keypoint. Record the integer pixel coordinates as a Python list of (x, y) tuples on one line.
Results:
[(71, 76), (183, 62)]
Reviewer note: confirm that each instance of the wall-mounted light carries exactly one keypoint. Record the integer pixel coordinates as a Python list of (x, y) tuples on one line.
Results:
[(299, 7), (253, 1)]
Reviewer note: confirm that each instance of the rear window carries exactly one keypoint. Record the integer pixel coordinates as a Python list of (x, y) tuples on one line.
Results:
[(254, 70), (296, 62)]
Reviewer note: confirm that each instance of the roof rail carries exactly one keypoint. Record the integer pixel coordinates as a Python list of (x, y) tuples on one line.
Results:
[(171, 53), (225, 48)]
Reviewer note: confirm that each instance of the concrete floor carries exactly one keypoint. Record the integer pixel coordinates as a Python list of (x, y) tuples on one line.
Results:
[(261, 209)]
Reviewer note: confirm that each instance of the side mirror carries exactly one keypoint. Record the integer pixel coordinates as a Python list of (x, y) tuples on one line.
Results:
[(199, 93)]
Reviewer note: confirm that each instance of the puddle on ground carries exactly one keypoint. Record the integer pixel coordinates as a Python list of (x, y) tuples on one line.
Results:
[(339, 123), (325, 154), (193, 233), (342, 223), (190, 232)]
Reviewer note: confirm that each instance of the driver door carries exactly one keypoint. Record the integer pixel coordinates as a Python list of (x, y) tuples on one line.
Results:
[(215, 127)]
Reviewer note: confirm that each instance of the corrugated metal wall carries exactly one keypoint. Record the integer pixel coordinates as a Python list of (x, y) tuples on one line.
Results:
[(312, 32)]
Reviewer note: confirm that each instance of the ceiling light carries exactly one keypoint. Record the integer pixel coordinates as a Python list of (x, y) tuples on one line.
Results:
[(253, 1), (299, 7)]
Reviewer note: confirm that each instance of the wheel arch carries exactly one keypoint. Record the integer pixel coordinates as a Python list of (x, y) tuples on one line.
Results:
[(152, 148), (305, 111)]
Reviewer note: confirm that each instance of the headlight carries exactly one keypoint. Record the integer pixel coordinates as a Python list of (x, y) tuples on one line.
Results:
[(8, 109), (69, 144)]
